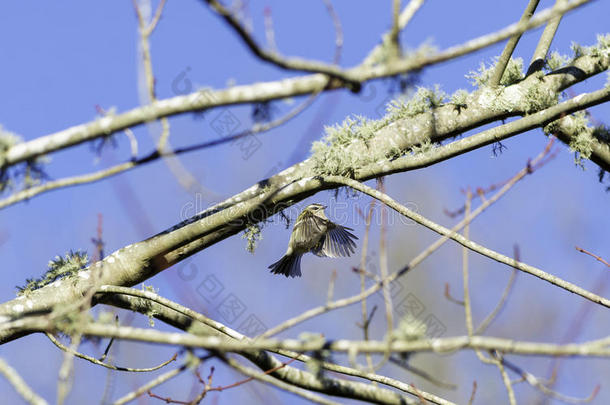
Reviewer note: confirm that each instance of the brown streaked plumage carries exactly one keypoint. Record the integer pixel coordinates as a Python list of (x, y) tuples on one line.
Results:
[(314, 232)]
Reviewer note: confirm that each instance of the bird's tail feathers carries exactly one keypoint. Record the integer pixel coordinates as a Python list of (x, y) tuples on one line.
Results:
[(288, 265)]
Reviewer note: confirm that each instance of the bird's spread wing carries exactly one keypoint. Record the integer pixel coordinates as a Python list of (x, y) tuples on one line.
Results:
[(337, 242), (307, 228)]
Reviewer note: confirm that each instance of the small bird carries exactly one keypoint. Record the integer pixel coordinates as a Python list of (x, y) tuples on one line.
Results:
[(314, 232)]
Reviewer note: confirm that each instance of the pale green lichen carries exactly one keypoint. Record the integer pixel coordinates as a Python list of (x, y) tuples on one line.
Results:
[(149, 311), (582, 135), (424, 147), (423, 100), (512, 74), (7, 140), (394, 153), (603, 41), (384, 53), (433, 97), (572, 124), (557, 61), (70, 322), (459, 99), (336, 153), (600, 49), (581, 145), (333, 155), (489, 98), (538, 97), (253, 234), (58, 268), (578, 50), (387, 52), (528, 97), (30, 172), (426, 49)]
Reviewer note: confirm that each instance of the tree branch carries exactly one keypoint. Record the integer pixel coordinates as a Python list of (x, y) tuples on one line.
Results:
[(20, 385), (260, 92), (594, 348), (511, 45)]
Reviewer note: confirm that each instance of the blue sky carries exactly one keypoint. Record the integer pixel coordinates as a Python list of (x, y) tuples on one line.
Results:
[(61, 60)]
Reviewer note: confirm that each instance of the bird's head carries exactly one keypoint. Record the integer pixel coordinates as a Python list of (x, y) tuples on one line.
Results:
[(313, 208), (316, 210)]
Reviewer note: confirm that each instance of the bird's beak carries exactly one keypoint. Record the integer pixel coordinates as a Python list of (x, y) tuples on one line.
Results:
[(324, 207)]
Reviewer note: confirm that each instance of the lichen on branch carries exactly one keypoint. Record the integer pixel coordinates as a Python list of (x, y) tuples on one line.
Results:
[(58, 268)]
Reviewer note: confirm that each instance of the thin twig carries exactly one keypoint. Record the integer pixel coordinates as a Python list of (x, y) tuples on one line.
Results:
[(592, 255), (511, 45), (472, 393), (542, 49), (331, 286), (536, 383), (365, 317), (338, 31), (394, 38), (383, 273), (93, 360), (507, 383), (482, 191), (450, 297), (155, 20), (20, 385), (422, 374), (408, 13), (184, 177), (261, 376), (574, 327), (209, 388), (269, 31), (465, 273), (492, 315), (109, 345), (274, 58), (468, 307), (403, 19), (247, 380), (149, 385)]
